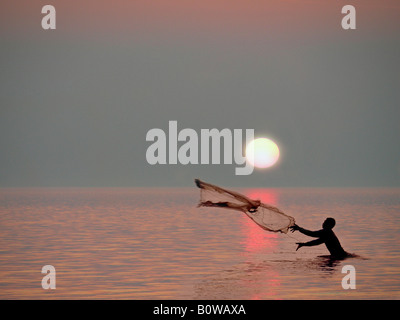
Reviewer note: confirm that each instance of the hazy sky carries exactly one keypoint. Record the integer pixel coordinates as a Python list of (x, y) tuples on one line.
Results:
[(77, 102)]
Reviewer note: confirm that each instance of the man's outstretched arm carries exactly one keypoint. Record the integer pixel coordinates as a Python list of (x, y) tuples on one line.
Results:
[(315, 234), (311, 243)]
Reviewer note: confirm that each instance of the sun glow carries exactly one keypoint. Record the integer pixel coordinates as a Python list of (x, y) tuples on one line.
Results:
[(262, 153)]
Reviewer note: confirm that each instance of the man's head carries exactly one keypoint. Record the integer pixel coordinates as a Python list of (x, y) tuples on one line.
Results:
[(329, 223)]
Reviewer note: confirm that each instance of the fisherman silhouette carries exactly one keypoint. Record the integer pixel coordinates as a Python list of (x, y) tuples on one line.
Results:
[(325, 235)]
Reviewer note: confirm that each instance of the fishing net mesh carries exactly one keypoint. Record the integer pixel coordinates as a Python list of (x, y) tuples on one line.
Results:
[(266, 216)]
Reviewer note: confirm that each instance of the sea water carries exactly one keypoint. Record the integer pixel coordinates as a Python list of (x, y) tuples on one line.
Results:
[(133, 243)]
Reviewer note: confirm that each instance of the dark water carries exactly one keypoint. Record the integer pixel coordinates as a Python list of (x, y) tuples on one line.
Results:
[(155, 244)]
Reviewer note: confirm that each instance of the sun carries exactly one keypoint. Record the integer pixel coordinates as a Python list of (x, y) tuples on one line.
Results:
[(262, 153)]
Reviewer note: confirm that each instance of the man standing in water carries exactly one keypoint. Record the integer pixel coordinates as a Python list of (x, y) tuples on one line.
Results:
[(325, 235)]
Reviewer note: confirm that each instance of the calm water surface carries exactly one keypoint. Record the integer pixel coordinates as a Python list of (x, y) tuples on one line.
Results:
[(155, 244)]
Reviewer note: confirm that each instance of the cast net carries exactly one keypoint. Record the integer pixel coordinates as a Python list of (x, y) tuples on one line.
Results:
[(266, 216)]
